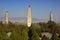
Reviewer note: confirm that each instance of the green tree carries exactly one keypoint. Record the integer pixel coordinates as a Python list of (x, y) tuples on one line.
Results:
[(20, 33), (34, 35), (51, 26), (3, 36), (54, 37), (15, 35)]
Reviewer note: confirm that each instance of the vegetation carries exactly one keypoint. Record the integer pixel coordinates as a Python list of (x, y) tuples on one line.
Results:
[(22, 32)]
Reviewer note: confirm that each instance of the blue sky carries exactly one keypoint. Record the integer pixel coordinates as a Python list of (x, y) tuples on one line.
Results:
[(40, 8)]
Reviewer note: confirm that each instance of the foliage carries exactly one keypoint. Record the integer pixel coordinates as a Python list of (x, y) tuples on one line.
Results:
[(3, 36), (22, 32), (33, 34)]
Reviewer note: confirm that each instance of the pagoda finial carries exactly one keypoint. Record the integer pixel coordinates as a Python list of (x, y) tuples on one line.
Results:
[(29, 5)]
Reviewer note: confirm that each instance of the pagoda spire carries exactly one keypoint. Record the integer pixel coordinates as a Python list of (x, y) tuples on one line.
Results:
[(6, 17), (51, 16), (29, 16)]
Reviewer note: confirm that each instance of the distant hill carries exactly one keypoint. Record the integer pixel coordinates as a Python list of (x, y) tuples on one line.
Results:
[(23, 19)]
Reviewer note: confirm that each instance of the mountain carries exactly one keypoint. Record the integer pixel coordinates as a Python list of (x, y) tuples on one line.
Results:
[(23, 19)]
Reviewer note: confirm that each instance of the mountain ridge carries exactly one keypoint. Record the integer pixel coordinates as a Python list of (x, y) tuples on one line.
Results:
[(23, 19)]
